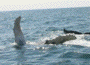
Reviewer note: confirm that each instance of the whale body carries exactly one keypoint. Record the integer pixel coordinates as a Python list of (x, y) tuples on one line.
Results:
[(20, 40), (60, 39)]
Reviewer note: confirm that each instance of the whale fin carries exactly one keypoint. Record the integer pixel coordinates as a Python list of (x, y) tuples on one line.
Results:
[(87, 33), (70, 31), (19, 37)]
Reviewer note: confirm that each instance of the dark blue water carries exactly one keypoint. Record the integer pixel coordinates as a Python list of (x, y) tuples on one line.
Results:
[(40, 25)]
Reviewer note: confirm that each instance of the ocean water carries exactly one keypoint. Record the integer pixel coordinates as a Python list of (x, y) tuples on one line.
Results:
[(41, 25)]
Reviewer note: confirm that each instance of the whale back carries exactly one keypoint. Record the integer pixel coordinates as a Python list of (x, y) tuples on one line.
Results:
[(60, 39), (70, 31), (19, 37)]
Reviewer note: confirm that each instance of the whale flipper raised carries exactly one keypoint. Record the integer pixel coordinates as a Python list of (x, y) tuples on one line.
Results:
[(19, 37)]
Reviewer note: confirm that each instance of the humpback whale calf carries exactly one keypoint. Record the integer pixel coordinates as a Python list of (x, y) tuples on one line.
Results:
[(20, 40), (75, 32)]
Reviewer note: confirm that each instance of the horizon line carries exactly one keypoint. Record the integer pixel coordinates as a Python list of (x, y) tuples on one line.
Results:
[(45, 8)]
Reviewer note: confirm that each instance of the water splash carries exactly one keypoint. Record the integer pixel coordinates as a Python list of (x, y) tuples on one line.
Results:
[(79, 41)]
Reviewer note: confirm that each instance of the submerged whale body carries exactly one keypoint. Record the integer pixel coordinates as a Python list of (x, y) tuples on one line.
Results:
[(20, 40)]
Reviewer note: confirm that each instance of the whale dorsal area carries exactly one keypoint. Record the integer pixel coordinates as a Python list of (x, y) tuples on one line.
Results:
[(60, 39)]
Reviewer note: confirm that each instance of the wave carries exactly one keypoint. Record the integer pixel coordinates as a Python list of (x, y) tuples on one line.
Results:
[(75, 55)]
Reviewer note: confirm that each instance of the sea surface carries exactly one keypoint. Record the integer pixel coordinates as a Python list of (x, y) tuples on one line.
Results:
[(41, 25)]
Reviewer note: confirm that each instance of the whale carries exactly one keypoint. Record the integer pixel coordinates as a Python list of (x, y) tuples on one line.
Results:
[(60, 39), (20, 40), (75, 32), (70, 31)]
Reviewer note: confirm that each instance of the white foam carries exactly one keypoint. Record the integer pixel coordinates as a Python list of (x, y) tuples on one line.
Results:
[(13, 43), (35, 43), (79, 41)]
